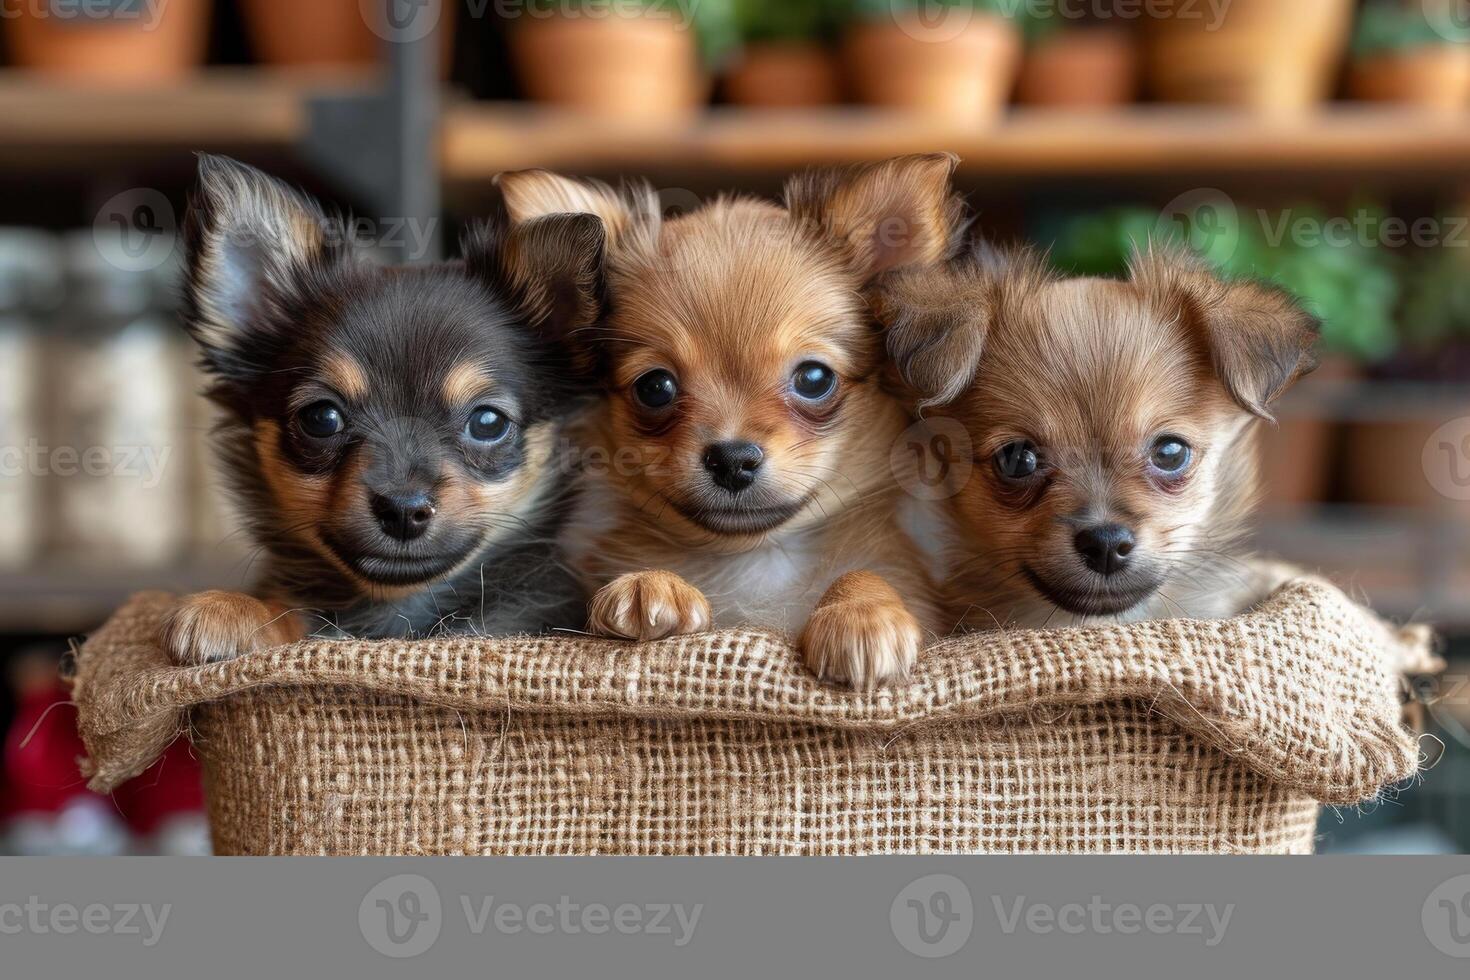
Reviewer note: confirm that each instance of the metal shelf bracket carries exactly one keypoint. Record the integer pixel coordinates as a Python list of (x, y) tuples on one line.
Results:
[(382, 147)]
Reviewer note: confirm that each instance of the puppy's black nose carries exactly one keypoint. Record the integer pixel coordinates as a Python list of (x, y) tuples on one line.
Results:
[(403, 516), (1105, 548), (732, 465)]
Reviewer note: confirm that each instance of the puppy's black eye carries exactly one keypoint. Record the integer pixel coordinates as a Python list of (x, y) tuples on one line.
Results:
[(487, 425), (1170, 456), (813, 381), (1017, 460), (321, 420), (656, 389)]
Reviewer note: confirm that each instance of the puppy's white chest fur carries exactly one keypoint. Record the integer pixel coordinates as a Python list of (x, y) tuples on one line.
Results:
[(775, 584)]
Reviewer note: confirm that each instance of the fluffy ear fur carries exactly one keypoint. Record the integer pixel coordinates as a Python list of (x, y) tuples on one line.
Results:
[(887, 215), (939, 318), (1260, 339), (531, 194), (936, 319), (249, 240), (551, 266)]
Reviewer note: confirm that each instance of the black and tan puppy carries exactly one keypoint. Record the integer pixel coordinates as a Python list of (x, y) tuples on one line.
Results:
[(389, 433), (740, 465), (1112, 427)]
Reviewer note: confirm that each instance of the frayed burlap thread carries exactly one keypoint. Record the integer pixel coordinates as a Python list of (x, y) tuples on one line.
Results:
[(1170, 736)]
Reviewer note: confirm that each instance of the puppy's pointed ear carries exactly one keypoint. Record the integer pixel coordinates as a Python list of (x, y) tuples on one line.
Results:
[(531, 194), (551, 268), (1260, 339), (898, 212), (249, 240), (937, 320)]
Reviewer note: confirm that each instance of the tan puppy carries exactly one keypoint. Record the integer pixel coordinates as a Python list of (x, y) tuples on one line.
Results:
[(1111, 425), (738, 470)]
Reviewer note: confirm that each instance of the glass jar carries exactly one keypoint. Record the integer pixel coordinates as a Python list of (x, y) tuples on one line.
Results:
[(120, 417), (29, 281)]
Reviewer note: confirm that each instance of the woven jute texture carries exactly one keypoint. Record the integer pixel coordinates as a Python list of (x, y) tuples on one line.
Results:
[(1163, 736)]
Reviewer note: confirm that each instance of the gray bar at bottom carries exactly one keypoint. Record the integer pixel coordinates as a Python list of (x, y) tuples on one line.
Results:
[(712, 918)]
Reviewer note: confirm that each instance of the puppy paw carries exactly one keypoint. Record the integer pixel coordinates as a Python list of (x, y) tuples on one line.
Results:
[(648, 606), (210, 626), (861, 634)]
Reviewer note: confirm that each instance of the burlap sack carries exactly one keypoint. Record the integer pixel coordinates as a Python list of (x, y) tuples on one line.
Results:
[(1165, 736)]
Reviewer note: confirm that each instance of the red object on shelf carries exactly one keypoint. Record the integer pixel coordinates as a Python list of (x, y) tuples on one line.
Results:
[(42, 746), (44, 798), (171, 787)]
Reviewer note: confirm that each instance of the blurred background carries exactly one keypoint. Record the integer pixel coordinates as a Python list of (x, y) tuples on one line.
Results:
[(1320, 143)]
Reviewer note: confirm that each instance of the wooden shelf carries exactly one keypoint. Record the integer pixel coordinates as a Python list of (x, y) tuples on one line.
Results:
[(482, 139), (46, 123), (62, 600), (1407, 564), (1353, 400)]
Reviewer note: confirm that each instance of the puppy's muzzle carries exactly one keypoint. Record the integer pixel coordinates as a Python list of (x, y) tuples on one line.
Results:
[(403, 516), (1105, 547), (733, 465)]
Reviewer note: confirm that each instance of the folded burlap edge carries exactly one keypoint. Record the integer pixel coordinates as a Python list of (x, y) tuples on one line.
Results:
[(1304, 688)]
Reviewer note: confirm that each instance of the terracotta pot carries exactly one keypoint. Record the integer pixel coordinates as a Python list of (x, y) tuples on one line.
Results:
[(1081, 69), (1385, 465), (1297, 454), (777, 74), (309, 32), (1432, 77), (134, 49), (327, 33), (1261, 54), (964, 74), (632, 67), (1296, 460)]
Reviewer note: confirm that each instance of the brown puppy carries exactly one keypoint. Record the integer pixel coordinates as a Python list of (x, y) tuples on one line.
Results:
[(738, 470), (1111, 426)]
